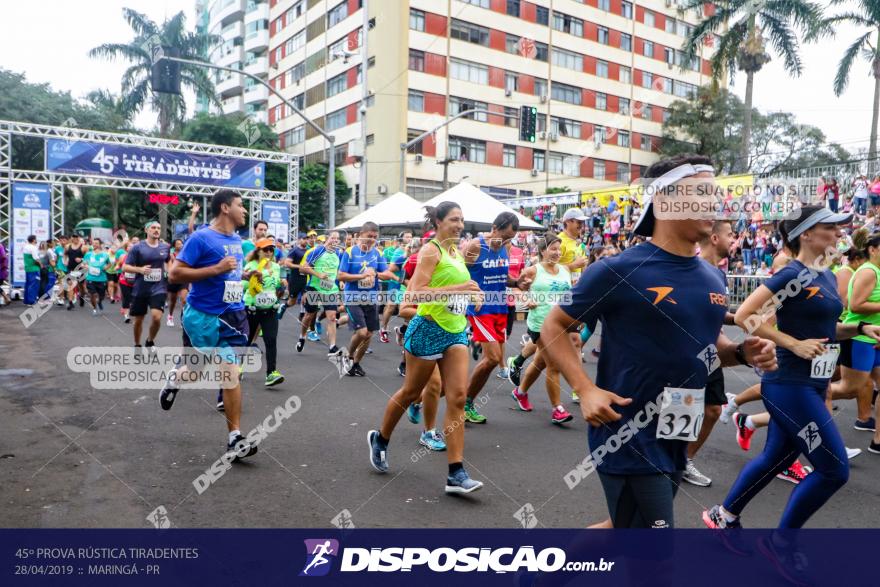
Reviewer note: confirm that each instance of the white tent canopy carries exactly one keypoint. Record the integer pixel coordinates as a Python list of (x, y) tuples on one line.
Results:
[(479, 208), (398, 210)]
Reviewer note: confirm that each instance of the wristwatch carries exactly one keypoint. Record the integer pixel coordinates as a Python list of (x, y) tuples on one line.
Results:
[(740, 355), (861, 328)]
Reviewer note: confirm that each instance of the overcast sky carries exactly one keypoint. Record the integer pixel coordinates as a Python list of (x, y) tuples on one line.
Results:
[(49, 40)]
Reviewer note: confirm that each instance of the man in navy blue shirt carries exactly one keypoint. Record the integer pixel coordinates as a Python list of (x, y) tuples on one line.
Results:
[(661, 309)]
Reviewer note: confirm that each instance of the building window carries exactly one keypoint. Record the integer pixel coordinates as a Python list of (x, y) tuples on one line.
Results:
[(511, 117), (469, 72), (336, 51), (295, 136), (565, 93), (540, 87), (623, 106), (568, 24), (417, 148), (416, 101), (601, 68), (599, 134), (626, 42), (599, 170), (470, 33), (513, 7), (623, 138), (459, 105), (416, 20), (565, 127), (646, 143), (337, 14), (480, 3), (647, 79), (601, 101), (337, 84), (511, 81), (625, 74), (602, 35), (665, 116), (626, 9), (649, 18), (605, 5), (538, 159), (464, 149), (669, 55), (416, 60), (667, 85), (541, 51), (647, 112), (296, 73), (684, 89), (299, 101), (542, 15), (335, 120), (297, 41), (623, 172), (648, 50), (568, 59), (511, 44), (541, 125), (508, 156)]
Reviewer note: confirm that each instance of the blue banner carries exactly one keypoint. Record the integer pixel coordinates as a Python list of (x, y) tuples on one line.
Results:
[(31, 215), (460, 557), (128, 162), (277, 214)]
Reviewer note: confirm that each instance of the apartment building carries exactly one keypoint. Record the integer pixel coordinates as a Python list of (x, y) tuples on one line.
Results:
[(601, 74), (242, 27)]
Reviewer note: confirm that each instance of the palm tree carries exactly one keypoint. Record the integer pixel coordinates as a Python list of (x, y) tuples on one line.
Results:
[(865, 13), (746, 28), (136, 92)]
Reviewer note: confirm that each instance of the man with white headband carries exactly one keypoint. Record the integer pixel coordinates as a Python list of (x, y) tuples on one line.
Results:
[(662, 308)]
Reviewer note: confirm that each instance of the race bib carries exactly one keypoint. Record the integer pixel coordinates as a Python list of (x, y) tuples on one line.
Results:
[(326, 284), (458, 305), (681, 415), (153, 275), (822, 366), (129, 276), (95, 271), (265, 298), (232, 292), (366, 282)]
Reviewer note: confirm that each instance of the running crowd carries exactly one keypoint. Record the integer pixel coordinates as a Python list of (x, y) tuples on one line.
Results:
[(809, 330)]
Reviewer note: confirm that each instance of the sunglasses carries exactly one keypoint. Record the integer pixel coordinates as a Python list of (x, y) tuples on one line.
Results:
[(268, 249)]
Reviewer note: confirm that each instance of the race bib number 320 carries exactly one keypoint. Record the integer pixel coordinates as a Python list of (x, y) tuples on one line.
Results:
[(822, 366), (232, 292), (681, 414)]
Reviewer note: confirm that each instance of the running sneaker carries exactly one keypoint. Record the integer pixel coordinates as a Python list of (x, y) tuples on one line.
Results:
[(170, 321), (513, 372), (743, 433), (461, 482), (319, 328), (693, 476), (274, 378), (95, 312), (300, 343), (595, 353), (333, 351), (398, 335), (169, 391), (728, 532), (790, 563), (241, 447), (521, 399), (432, 440), (868, 425), (794, 474), (414, 413), (69, 306), (82, 301), (127, 317), (313, 336), (383, 336), (560, 416), (874, 447), (377, 452), (502, 374), (220, 406), (401, 369), (852, 453), (574, 398), (728, 409), (101, 306), (475, 351), (471, 414), (356, 371)]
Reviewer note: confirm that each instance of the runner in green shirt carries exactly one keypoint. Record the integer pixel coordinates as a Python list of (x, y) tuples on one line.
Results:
[(263, 285), (321, 264)]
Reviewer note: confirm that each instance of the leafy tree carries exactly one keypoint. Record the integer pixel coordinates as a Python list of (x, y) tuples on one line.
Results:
[(313, 204), (557, 190), (746, 28)]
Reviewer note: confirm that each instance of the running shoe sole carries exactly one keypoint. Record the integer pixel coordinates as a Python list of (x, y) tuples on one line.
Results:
[(862, 427), (695, 482), (874, 449), (461, 491), (276, 382), (569, 418), (370, 445), (519, 406), (429, 447)]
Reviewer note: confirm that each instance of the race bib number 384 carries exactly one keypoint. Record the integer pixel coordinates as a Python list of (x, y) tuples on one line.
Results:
[(232, 292)]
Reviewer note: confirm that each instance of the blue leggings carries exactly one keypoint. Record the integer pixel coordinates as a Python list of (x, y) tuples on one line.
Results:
[(797, 414)]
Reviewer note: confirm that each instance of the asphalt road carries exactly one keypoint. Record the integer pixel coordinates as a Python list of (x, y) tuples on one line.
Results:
[(72, 456)]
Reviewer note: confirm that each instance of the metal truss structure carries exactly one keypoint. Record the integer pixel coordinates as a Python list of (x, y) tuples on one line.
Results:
[(8, 175)]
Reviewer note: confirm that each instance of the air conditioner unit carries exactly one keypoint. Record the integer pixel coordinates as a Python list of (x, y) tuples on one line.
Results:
[(554, 136), (382, 189), (418, 158), (542, 135), (508, 93), (534, 173), (543, 98)]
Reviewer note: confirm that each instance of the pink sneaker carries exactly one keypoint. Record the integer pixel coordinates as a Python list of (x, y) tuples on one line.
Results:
[(521, 399), (561, 416)]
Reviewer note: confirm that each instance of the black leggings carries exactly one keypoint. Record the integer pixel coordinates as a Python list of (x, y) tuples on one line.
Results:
[(126, 296), (267, 319), (641, 501), (511, 317)]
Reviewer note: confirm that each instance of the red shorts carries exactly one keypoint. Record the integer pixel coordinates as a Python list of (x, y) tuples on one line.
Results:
[(489, 327)]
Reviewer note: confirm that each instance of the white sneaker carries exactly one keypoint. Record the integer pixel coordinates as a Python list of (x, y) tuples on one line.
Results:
[(694, 477), (729, 409), (575, 398), (852, 453), (170, 321)]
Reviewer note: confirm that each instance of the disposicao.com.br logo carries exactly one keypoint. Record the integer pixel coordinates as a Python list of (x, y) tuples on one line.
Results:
[(320, 553)]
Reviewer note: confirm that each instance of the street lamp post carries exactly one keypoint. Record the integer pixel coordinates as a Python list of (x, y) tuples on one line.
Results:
[(331, 168)]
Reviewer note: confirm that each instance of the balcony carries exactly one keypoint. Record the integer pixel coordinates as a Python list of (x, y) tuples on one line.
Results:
[(259, 116), (257, 66), (232, 58), (257, 41), (256, 94), (232, 31), (232, 105), (226, 11), (230, 86), (258, 11)]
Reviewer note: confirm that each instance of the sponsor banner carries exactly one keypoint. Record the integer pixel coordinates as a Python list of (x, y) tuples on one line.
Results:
[(277, 215), (31, 214), (162, 555), (128, 162)]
